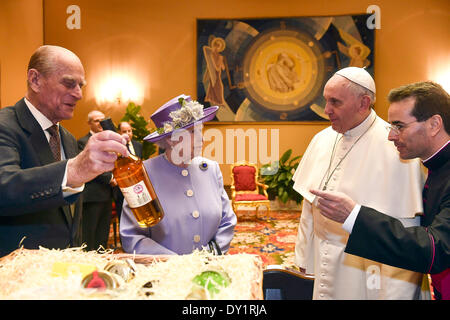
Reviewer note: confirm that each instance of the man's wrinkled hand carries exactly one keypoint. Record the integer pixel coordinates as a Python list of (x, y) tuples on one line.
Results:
[(96, 158)]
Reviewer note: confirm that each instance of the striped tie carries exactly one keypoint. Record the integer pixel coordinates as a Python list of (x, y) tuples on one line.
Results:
[(55, 143)]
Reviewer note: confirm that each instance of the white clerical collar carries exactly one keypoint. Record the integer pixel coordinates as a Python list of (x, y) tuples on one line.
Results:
[(43, 121), (362, 127), (445, 144)]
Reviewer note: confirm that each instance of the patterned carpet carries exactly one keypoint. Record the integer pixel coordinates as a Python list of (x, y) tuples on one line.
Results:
[(272, 238)]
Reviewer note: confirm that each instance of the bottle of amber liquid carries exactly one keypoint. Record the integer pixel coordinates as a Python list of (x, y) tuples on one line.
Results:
[(136, 186)]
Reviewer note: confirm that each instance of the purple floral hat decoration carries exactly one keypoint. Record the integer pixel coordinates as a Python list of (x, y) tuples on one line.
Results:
[(179, 113)]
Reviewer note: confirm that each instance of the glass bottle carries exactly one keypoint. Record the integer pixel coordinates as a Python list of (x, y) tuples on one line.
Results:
[(136, 186)]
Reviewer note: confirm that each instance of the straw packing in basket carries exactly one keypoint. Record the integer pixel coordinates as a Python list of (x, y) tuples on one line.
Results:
[(59, 274)]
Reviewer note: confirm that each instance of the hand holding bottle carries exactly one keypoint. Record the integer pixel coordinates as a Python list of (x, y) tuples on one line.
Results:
[(96, 158), (135, 185)]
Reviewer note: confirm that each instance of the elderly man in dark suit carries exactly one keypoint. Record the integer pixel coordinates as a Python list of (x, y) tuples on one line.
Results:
[(97, 196), (41, 171)]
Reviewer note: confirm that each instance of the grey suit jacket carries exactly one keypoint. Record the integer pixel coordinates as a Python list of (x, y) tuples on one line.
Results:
[(33, 211), (138, 148)]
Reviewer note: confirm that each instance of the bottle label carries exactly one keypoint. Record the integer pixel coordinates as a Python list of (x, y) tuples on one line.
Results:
[(136, 195)]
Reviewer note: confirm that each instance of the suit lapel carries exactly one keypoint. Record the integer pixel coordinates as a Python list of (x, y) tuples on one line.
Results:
[(70, 150), (69, 143), (36, 134), (137, 148), (40, 143)]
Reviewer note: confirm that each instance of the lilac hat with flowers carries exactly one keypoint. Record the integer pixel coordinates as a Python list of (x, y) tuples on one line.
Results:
[(179, 113)]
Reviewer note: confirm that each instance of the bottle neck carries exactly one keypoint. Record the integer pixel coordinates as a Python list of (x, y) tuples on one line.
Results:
[(130, 154)]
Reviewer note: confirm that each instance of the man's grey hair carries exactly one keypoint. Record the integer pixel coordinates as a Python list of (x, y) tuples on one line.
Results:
[(359, 90), (91, 114), (44, 58)]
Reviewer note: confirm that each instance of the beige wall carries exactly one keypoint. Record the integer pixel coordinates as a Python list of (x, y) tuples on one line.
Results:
[(21, 32), (154, 42)]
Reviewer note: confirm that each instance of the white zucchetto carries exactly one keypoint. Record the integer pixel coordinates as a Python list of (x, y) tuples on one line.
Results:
[(359, 76)]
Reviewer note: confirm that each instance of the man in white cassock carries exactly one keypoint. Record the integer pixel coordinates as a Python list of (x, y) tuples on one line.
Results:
[(354, 156)]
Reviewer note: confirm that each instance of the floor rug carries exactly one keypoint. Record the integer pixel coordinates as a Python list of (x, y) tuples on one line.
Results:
[(272, 238)]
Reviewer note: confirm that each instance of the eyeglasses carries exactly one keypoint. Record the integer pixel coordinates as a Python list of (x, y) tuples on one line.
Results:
[(399, 127)]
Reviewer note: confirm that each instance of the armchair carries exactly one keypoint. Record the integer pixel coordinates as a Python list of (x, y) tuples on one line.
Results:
[(245, 187)]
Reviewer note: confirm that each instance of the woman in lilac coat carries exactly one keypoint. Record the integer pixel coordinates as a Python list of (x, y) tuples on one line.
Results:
[(190, 188)]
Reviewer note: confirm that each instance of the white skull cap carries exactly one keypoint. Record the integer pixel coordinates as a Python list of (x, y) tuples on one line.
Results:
[(359, 76)]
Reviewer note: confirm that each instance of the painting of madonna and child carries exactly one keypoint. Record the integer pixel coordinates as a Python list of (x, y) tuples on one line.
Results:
[(275, 69)]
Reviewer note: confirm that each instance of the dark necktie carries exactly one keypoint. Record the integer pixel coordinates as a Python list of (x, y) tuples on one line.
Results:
[(55, 143)]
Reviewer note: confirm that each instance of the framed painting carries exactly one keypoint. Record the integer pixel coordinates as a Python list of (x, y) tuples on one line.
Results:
[(274, 69)]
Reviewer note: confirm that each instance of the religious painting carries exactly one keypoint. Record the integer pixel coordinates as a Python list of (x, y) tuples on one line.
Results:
[(275, 69)]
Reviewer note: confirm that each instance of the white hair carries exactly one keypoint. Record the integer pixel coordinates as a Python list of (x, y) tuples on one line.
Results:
[(359, 90)]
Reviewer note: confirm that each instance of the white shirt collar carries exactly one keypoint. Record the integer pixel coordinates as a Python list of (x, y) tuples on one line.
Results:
[(43, 121), (362, 127)]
